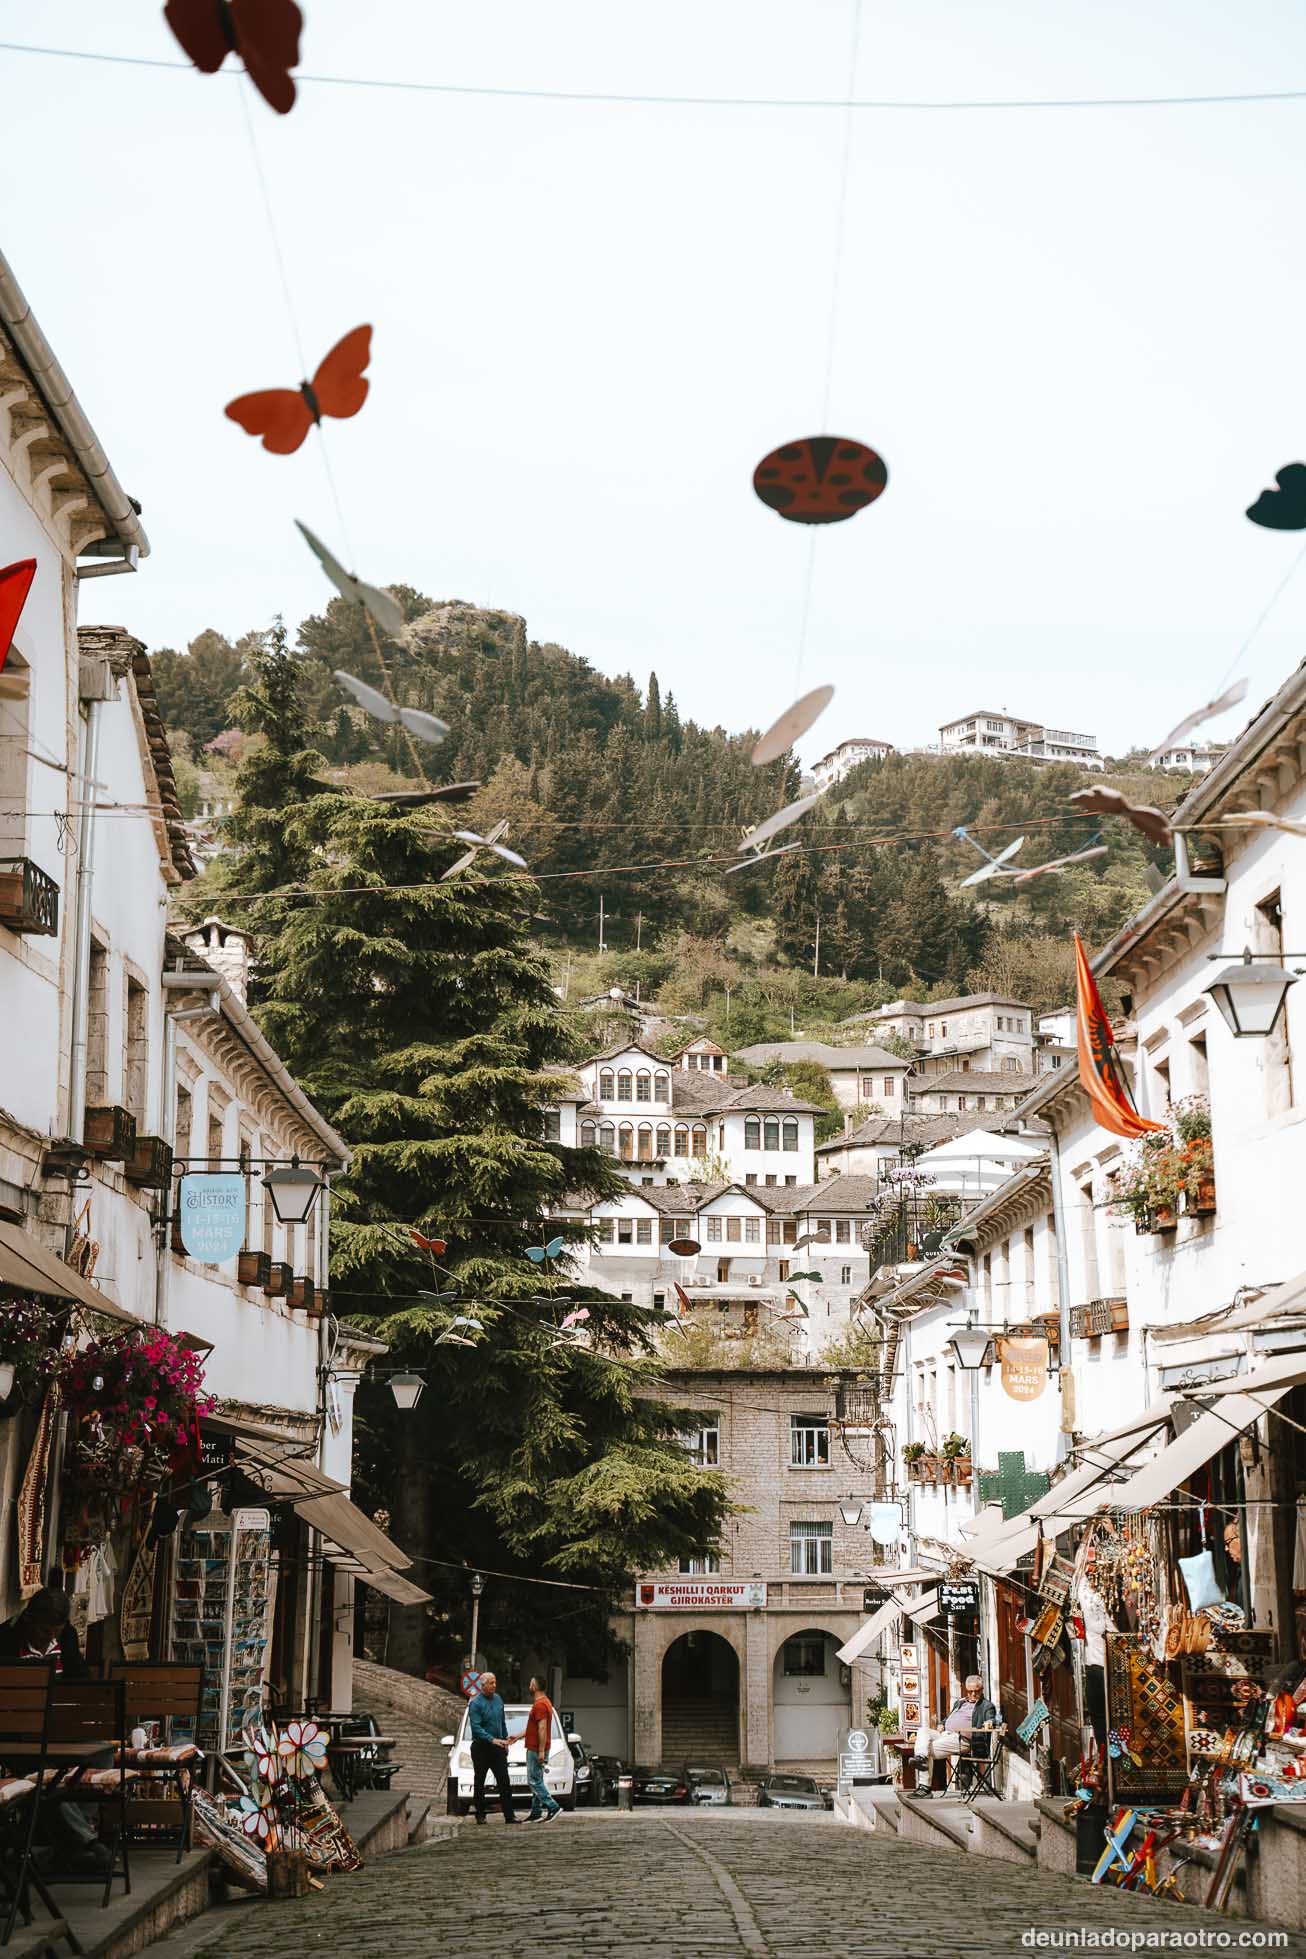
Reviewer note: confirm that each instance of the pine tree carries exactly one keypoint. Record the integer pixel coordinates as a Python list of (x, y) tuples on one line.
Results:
[(417, 1015), (653, 710)]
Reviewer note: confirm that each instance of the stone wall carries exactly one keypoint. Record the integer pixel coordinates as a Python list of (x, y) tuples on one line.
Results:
[(416, 1715)]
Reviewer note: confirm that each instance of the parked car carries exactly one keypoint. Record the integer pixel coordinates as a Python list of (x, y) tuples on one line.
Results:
[(790, 1792), (666, 1785), (709, 1786), (559, 1770), (591, 1783), (613, 1769)]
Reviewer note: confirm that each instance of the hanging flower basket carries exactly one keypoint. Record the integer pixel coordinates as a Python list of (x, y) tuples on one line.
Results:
[(29, 1342), (134, 1403)]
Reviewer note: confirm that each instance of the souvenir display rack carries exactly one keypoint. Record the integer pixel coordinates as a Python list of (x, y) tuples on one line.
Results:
[(221, 1614)]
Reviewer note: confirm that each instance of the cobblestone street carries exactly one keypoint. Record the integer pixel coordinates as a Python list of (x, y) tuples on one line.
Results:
[(755, 1885)]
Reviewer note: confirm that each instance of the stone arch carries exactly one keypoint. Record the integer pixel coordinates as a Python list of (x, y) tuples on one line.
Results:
[(701, 1681), (812, 1703)]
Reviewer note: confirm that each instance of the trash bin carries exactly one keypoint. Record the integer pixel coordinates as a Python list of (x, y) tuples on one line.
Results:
[(625, 1792)]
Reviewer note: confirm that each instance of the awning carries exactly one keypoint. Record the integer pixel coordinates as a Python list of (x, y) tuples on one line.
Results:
[(29, 1267), (1228, 1416), (354, 1543), (924, 1607), (286, 1476), (867, 1635)]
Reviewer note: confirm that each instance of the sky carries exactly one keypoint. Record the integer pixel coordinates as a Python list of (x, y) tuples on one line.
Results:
[(1075, 335)]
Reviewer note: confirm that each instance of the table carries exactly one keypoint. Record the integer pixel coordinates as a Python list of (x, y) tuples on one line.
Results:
[(343, 1758), (68, 1758)]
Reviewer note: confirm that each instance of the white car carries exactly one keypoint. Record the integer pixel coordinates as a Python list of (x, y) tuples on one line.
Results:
[(559, 1771)]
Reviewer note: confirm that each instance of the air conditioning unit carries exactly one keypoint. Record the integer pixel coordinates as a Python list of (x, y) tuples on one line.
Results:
[(754, 1278), (700, 1282)]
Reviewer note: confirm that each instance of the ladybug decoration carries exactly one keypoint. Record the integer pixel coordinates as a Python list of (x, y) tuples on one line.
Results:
[(821, 480)]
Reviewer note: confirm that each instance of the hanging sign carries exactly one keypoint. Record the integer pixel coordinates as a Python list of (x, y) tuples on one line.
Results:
[(1024, 1368), (699, 1595), (885, 1522), (211, 1214), (958, 1595)]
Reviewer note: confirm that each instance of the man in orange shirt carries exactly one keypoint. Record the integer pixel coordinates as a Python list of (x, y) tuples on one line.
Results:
[(539, 1735)]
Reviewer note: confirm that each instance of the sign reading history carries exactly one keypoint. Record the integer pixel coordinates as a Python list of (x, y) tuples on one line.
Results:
[(211, 1214), (699, 1595)]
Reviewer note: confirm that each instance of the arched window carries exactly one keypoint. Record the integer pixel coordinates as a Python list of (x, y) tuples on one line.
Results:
[(664, 1140), (607, 1138), (605, 1085), (771, 1133), (682, 1142), (624, 1086), (700, 1140), (645, 1143), (627, 1136), (588, 1135), (752, 1133), (661, 1087), (791, 1132), (643, 1086)]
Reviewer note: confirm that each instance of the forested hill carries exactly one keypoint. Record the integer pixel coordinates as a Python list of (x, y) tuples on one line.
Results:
[(596, 775)]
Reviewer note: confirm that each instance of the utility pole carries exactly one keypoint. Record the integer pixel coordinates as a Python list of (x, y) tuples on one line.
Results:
[(816, 957), (602, 947), (639, 927)]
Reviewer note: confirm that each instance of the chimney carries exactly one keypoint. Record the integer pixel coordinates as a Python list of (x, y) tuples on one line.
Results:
[(226, 950)]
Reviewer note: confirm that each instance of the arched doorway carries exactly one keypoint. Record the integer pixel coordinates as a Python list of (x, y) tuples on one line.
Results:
[(700, 1701), (810, 1698)]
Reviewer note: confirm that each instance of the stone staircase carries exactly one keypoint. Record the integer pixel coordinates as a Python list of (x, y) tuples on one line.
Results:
[(702, 1732), (416, 1715)]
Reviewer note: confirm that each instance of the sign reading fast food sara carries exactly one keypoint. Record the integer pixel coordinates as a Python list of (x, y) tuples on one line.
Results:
[(698, 1595)]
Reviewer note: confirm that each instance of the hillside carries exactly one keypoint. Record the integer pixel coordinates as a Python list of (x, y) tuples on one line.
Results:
[(598, 776)]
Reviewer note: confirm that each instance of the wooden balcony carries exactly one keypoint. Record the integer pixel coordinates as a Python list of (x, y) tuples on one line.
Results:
[(29, 899)]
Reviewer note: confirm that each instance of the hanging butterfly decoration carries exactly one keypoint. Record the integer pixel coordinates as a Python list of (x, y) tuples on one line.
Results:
[(1056, 865), (15, 584), (427, 727), (824, 479), (750, 849), (1110, 802), (545, 1254), (264, 33), (436, 1246), (382, 608), (792, 725), (284, 416), (575, 1318), (1283, 509), (1207, 712), (490, 841)]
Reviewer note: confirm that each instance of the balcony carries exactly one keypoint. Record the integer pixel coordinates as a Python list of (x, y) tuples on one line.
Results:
[(29, 900)]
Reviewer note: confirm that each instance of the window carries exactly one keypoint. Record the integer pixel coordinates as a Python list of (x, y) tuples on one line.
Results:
[(866, 1087), (624, 1085), (714, 1231), (770, 1179), (1010, 1065), (608, 1138), (773, 1231), (666, 1230), (643, 1086), (625, 1231), (136, 1053), (723, 1271), (809, 1441), (704, 1444), (700, 1140), (811, 1550), (845, 1275), (659, 1301), (605, 1085), (682, 1142), (552, 1126), (643, 1231), (588, 1135), (661, 1087), (720, 1135), (97, 1030), (734, 1230), (185, 1109), (752, 1231), (15, 741), (607, 1230), (627, 1139), (823, 1229), (843, 1231), (791, 1132), (771, 1133), (752, 1133), (783, 1268), (645, 1142), (700, 1567), (750, 1177), (664, 1139), (804, 1657), (791, 1183)]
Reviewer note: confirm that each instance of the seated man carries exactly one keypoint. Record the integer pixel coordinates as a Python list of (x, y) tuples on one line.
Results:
[(972, 1716)]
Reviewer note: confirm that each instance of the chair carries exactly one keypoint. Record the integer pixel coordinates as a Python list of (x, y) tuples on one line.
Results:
[(92, 1711), (170, 1693), (25, 1726), (980, 1762), (372, 1769)]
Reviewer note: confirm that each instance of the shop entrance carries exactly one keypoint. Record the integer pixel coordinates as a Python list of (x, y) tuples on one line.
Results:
[(700, 1701), (810, 1699)]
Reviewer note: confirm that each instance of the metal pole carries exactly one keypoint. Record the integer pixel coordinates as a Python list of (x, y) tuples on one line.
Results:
[(82, 932), (908, 1428), (476, 1620), (1063, 1291)]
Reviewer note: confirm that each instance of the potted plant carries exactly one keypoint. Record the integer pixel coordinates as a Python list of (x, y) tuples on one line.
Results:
[(29, 1347), (1165, 1179), (134, 1403), (954, 1456), (1193, 1134)]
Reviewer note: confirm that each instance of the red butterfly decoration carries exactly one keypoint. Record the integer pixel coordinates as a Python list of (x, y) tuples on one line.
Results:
[(284, 416), (264, 33), (15, 584), (437, 1246)]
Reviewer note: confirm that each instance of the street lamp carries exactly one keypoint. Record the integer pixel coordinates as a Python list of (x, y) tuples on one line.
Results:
[(451, 1339), (1251, 995), (478, 1586), (6, 1379), (292, 1188), (970, 1343), (407, 1391), (851, 1513)]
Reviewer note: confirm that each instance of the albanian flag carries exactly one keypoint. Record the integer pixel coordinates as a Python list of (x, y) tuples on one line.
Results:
[(1100, 1070), (15, 584)]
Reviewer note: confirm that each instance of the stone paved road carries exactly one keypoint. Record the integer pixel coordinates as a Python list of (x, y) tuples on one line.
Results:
[(684, 1883)]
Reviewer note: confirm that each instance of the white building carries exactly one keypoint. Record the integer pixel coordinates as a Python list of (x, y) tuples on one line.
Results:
[(988, 732), (841, 761), (858, 1075), (1199, 757), (988, 1031)]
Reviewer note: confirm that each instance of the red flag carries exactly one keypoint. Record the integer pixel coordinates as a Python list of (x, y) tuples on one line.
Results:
[(1100, 1071), (15, 584)]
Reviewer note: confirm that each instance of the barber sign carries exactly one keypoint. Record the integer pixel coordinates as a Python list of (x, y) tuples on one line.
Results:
[(211, 1214)]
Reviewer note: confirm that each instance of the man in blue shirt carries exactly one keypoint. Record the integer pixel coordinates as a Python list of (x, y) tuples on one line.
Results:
[(489, 1730)]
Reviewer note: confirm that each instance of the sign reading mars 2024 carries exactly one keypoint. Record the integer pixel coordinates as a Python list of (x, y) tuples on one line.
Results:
[(212, 1209)]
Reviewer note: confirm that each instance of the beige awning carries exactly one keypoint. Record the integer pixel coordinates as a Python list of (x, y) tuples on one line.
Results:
[(281, 1475), (401, 1590), (29, 1267), (866, 1635), (1223, 1422), (353, 1542), (924, 1607)]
